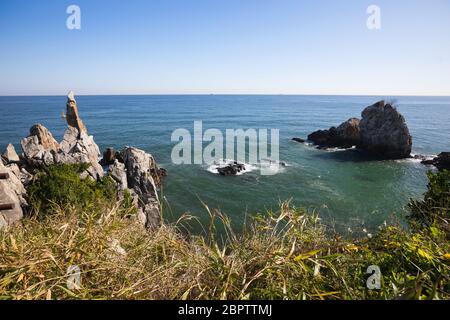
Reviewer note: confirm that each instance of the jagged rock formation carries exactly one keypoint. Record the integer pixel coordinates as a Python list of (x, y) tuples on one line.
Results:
[(118, 173), (384, 132), (137, 172), (441, 162), (132, 169), (10, 155), (72, 117), (349, 132), (346, 135), (12, 195), (231, 169), (143, 180), (109, 156), (39, 147), (78, 147)]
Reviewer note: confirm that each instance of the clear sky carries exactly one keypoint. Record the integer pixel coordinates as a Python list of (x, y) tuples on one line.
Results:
[(225, 46)]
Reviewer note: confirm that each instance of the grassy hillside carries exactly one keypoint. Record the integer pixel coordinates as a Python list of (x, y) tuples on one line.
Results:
[(289, 254)]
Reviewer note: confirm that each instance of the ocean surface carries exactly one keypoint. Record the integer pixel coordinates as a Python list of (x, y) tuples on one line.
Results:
[(347, 190)]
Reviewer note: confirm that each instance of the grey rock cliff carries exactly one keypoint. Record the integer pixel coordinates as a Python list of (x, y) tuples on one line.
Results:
[(132, 169), (384, 132), (12, 195), (39, 147), (143, 181), (78, 147)]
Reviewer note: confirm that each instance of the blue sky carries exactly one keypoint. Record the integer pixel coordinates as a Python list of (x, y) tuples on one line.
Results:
[(225, 46)]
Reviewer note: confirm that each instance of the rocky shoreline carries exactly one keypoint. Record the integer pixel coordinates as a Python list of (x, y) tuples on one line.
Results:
[(132, 169), (441, 162)]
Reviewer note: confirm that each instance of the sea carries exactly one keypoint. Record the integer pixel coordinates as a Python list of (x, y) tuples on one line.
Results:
[(348, 191)]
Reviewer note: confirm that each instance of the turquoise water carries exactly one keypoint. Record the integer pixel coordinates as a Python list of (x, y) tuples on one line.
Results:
[(347, 190)]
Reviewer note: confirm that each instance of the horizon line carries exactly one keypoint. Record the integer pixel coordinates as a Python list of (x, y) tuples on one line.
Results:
[(229, 94)]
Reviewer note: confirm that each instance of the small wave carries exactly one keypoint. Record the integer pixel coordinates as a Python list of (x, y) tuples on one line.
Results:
[(270, 167), (266, 165), (417, 158), (225, 162), (336, 149)]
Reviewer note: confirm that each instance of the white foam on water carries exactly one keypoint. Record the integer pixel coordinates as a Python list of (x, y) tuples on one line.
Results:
[(269, 167), (413, 158), (225, 162)]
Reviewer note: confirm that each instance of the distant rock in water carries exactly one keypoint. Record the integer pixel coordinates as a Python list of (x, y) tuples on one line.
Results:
[(441, 162), (299, 140), (345, 136), (231, 169), (382, 132)]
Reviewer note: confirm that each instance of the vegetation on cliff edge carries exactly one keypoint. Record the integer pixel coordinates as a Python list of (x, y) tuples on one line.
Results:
[(288, 254)]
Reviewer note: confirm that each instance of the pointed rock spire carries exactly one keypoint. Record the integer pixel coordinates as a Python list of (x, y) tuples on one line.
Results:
[(72, 117)]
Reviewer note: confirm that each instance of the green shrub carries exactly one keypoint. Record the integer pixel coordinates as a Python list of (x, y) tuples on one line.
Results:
[(60, 185), (127, 207), (434, 209)]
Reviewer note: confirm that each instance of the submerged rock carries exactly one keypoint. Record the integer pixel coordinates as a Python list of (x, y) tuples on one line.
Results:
[(441, 162), (384, 132)]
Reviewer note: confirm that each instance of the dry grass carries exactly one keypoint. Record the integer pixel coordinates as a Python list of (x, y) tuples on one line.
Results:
[(288, 255)]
